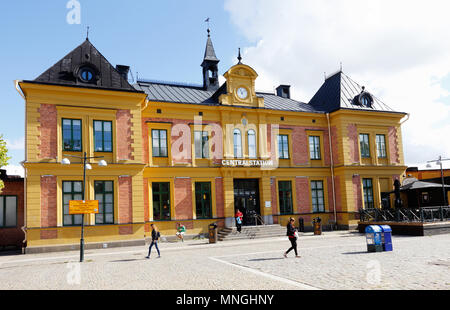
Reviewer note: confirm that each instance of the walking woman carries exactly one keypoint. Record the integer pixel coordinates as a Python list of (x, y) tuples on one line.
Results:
[(155, 238), (292, 234)]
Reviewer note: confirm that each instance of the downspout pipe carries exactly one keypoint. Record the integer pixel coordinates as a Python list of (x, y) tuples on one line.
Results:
[(24, 227), (332, 169)]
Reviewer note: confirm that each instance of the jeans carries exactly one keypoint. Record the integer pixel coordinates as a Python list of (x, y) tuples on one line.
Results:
[(293, 247), (154, 242)]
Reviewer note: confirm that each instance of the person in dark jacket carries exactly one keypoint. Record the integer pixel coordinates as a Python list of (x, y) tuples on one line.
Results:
[(155, 238), (291, 233)]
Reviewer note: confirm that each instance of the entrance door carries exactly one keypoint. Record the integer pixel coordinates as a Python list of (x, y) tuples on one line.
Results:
[(246, 199)]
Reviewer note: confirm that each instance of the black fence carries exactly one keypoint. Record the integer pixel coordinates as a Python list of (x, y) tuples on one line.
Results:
[(425, 214)]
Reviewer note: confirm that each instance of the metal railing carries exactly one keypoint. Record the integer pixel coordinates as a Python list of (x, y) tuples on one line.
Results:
[(424, 214), (259, 219)]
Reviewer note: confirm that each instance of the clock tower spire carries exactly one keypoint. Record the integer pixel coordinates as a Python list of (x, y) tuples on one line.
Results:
[(209, 64)]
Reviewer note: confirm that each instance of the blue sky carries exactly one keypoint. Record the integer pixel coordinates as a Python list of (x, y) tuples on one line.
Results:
[(162, 40)]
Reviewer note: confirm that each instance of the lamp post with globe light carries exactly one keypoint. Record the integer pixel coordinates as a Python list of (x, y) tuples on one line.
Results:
[(439, 162), (86, 165)]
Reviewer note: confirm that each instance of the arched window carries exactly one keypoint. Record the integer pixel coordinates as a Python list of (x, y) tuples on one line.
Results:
[(237, 144), (251, 140)]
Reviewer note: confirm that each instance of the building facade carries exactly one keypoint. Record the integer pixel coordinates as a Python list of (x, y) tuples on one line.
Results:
[(11, 212), (194, 154)]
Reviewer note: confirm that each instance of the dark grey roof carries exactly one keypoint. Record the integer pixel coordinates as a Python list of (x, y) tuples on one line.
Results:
[(421, 185), (274, 102), (178, 93), (175, 92), (339, 92), (210, 54), (65, 71)]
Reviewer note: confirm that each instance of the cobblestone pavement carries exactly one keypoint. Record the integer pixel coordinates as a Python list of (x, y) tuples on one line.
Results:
[(335, 260)]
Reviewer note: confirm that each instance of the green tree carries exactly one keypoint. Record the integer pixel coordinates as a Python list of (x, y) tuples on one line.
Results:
[(3, 158)]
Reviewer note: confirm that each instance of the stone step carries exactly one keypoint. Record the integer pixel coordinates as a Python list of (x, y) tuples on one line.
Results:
[(251, 232), (245, 233), (259, 236)]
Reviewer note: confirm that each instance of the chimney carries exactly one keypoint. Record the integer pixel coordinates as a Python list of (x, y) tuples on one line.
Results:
[(123, 71), (284, 91)]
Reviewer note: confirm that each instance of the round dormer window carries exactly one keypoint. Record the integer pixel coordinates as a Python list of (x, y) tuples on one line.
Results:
[(87, 74), (366, 100)]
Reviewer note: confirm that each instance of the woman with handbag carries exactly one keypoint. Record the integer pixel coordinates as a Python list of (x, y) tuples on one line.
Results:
[(292, 235), (155, 238)]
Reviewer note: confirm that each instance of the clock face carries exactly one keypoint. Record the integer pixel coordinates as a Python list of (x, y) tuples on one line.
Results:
[(242, 93)]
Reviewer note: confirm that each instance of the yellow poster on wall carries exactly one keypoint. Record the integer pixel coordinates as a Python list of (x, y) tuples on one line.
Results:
[(83, 207)]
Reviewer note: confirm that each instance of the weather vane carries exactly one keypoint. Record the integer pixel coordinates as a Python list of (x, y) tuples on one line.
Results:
[(207, 21)]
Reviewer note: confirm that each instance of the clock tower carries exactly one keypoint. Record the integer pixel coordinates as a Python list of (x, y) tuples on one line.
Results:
[(241, 87)]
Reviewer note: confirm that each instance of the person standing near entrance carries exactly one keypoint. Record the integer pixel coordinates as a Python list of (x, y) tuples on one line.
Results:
[(292, 235), (239, 217), (155, 238)]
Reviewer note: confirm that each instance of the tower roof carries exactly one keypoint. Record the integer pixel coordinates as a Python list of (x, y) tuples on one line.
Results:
[(85, 66), (210, 54)]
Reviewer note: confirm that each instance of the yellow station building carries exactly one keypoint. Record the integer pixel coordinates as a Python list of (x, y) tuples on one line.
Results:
[(194, 154)]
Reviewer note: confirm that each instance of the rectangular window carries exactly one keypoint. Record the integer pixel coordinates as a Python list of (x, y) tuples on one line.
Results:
[(71, 135), (285, 197), (314, 147), (368, 193), (161, 201), (283, 146), (159, 143), (8, 211), (104, 193), (201, 141), (381, 146), (72, 190), (364, 145), (203, 200), (103, 136), (317, 196)]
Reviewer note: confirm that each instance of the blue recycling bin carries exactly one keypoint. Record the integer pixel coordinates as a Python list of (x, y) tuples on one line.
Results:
[(373, 238), (386, 237)]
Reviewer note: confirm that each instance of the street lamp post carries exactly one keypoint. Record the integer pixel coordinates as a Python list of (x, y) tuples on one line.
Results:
[(101, 163), (439, 162)]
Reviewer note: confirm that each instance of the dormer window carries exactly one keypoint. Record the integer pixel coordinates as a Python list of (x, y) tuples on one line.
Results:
[(365, 100), (87, 74)]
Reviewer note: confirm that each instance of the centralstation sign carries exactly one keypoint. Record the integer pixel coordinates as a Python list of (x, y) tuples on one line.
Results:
[(246, 163), (83, 207)]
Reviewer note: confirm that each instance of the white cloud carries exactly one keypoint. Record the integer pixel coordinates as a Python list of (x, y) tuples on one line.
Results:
[(17, 145), (400, 50)]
